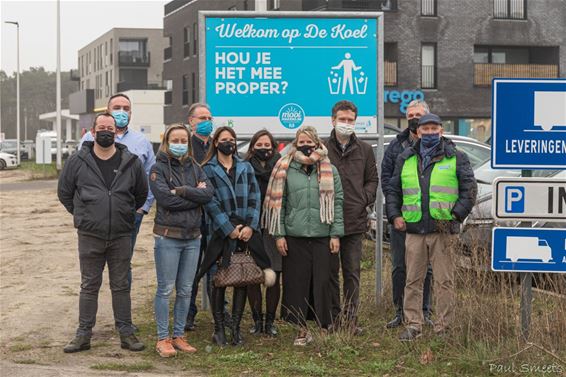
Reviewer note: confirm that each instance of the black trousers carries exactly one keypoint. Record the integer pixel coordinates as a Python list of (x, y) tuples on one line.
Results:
[(94, 254), (307, 287), (350, 259)]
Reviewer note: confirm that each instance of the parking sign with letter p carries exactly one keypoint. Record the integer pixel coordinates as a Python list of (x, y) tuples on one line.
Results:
[(515, 199)]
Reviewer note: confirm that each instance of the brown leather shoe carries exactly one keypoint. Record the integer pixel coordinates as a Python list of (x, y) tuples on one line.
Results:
[(165, 348), (182, 345)]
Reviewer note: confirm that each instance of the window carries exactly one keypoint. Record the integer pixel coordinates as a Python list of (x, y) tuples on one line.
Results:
[(185, 90), (168, 96), (194, 88), (168, 51), (186, 42), (510, 9), (273, 4), (502, 55), (195, 33), (428, 7), (390, 63), (428, 66)]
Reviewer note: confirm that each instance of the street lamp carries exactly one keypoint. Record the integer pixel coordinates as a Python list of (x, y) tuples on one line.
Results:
[(17, 89)]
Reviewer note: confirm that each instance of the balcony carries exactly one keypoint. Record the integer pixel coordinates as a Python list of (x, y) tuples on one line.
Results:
[(390, 73), (133, 59), (484, 73), (129, 85)]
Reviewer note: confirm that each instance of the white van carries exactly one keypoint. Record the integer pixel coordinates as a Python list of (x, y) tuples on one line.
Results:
[(528, 248)]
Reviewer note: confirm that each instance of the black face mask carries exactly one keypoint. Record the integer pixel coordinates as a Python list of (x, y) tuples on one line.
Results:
[(306, 149), (105, 138), (264, 154), (413, 125), (227, 147)]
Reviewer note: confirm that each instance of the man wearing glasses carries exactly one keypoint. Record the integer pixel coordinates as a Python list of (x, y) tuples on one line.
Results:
[(200, 121)]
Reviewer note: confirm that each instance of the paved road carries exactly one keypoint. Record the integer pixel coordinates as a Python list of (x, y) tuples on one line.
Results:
[(28, 185)]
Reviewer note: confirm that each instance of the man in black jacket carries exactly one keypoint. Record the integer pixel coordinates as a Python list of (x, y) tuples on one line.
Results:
[(102, 186), (355, 162), (432, 191), (415, 110)]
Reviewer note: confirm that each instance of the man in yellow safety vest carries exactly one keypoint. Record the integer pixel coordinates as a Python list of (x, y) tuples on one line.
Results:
[(432, 191)]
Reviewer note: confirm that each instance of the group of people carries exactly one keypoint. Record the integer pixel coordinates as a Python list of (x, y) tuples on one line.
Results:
[(301, 217)]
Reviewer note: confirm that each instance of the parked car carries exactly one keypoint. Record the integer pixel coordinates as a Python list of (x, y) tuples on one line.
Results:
[(477, 152), (7, 160), (390, 132), (10, 146), (476, 230)]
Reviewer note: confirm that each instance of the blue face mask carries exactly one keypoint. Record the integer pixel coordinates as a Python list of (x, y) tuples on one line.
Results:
[(178, 150), (204, 128), (430, 140), (121, 117)]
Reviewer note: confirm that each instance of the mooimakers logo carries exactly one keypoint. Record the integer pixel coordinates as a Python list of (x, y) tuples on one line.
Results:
[(291, 116)]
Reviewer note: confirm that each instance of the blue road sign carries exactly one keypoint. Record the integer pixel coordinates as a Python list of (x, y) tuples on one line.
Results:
[(528, 250), (282, 72), (528, 124)]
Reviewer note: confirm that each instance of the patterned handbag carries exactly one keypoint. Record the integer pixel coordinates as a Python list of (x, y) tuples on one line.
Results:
[(241, 271)]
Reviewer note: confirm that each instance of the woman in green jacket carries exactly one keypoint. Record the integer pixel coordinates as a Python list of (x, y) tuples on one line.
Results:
[(303, 210)]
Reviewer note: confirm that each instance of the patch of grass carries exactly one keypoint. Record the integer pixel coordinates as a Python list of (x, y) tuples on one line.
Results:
[(40, 171), (136, 367), (20, 347), (485, 330)]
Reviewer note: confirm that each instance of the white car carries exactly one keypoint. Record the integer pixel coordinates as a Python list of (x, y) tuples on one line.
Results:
[(7, 160)]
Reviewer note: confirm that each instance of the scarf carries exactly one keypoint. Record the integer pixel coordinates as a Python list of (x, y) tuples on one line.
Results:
[(264, 172), (271, 216)]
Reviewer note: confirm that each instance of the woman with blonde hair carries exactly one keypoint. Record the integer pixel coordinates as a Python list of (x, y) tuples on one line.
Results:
[(180, 188), (303, 210)]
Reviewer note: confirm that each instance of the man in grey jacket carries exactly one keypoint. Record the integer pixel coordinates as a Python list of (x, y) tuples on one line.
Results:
[(102, 186)]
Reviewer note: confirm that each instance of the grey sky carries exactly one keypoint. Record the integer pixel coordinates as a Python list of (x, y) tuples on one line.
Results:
[(81, 22)]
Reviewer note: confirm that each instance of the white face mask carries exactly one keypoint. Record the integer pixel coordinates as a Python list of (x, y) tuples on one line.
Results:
[(344, 129)]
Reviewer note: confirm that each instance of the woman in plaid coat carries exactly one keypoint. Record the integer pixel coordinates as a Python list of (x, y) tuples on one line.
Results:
[(232, 214)]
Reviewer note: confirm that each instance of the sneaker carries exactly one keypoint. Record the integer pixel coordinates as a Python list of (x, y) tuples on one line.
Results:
[(302, 339), (79, 343), (180, 343), (427, 320), (131, 342), (164, 348), (395, 322), (409, 334)]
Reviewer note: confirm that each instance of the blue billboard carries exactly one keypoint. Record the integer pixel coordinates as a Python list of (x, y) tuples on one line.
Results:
[(529, 124), (283, 72)]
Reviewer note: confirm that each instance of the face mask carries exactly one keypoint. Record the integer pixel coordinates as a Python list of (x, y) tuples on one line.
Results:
[(178, 150), (344, 129), (263, 154), (121, 117), (413, 125), (306, 149), (227, 148), (204, 128), (105, 138), (430, 140)]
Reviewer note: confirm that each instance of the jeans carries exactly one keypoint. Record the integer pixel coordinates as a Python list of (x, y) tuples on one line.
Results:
[(137, 225), (399, 273), (94, 254), (176, 263)]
